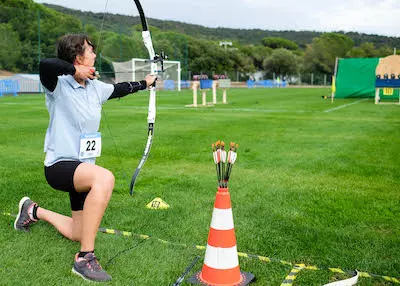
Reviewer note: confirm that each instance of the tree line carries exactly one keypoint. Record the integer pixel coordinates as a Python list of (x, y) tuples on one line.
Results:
[(31, 31)]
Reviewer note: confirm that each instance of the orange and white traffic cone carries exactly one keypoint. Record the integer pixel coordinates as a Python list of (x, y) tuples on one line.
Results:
[(221, 264)]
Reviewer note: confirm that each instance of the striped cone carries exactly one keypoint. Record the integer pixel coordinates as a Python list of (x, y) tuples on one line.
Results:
[(221, 264)]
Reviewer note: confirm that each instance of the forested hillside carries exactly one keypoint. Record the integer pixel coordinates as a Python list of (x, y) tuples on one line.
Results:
[(31, 32), (243, 36)]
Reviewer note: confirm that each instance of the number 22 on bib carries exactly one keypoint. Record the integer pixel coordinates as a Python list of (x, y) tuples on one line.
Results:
[(90, 146)]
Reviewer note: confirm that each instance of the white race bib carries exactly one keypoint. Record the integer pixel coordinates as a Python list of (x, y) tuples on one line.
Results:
[(90, 146)]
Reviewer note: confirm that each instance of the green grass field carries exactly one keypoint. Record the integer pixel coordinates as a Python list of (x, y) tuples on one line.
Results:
[(314, 183)]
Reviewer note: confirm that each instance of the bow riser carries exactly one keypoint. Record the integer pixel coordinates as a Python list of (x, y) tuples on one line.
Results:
[(153, 68)]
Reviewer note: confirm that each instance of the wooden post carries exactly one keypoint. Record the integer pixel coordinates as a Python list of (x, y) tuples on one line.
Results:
[(377, 98), (224, 97), (194, 87), (214, 91), (203, 92)]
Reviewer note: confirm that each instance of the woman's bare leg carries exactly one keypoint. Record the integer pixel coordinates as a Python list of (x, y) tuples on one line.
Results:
[(83, 225), (69, 227), (100, 184)]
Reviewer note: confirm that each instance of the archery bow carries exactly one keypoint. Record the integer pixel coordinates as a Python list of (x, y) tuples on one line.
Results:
[(151, 118)]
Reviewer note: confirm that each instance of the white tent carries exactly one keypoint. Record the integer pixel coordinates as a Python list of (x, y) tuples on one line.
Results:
[(28, 82)]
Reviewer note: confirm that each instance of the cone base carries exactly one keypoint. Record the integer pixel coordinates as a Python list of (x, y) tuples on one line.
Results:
[(247, 278)]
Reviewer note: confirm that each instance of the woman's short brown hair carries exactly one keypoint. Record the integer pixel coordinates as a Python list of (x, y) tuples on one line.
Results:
[(72, 45)]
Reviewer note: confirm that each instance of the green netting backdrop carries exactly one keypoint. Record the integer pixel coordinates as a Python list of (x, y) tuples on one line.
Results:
[(356, 77)]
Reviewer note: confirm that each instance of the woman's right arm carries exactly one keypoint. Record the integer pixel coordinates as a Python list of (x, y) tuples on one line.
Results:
[(50, 69)]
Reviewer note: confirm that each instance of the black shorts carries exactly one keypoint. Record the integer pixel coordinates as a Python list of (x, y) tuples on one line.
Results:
[(60, 176)]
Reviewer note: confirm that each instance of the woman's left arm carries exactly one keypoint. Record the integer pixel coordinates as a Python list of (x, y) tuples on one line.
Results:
[(124, 88)]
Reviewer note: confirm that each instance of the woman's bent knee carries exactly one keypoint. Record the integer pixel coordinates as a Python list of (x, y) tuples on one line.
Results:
[(89, 176), (107, 179), (103, 185)]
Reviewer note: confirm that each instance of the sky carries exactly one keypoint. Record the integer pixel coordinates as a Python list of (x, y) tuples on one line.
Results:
[(381, 17)]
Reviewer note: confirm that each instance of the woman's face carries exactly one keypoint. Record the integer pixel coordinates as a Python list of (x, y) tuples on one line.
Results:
[(88, 58)]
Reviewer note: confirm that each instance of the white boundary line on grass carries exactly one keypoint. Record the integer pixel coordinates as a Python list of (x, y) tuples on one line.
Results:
[(255, 110), (216, 109), (343, 106)]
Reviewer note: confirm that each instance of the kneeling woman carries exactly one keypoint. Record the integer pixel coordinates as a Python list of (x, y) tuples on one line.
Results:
[(74, 98)]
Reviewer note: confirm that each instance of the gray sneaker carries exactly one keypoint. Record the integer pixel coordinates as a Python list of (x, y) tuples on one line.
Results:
[(24, 220), (88, 267)]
